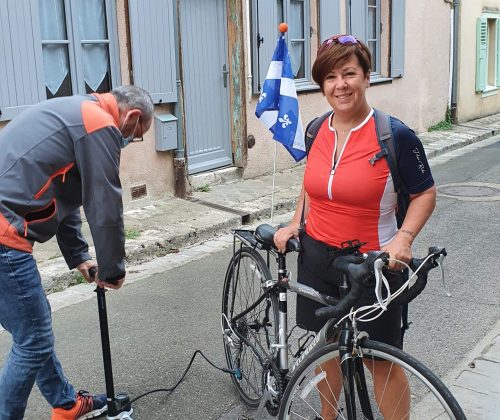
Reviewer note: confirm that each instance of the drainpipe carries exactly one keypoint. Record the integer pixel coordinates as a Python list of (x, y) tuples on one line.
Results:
[(248, 20), (454, 57), (181, 181)]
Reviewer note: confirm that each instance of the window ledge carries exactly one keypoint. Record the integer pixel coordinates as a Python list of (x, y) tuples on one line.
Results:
[(380, 80), (306, 86), (489, 91)]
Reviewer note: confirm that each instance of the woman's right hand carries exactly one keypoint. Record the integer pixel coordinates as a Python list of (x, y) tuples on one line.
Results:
[(282, 235)]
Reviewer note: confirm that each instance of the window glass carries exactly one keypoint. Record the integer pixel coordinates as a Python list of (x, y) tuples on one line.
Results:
[(297, 39), (55, 46), (95, 45), (373, 33)]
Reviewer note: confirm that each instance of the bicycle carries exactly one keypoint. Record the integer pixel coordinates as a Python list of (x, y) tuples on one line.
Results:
[(255, 332)]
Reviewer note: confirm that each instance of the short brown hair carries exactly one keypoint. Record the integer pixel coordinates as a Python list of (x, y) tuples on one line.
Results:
[(335, 54)]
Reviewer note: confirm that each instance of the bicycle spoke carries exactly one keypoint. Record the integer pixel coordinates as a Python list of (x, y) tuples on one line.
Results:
[(420, 396)]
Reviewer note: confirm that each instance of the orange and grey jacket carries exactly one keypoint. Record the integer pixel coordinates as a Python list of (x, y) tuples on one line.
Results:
[(55, 157)]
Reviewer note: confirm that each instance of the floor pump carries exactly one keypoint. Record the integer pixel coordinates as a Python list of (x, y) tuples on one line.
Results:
[(119, 407)]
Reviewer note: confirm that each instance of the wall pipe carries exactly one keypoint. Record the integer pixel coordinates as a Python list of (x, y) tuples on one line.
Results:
[(454, 76)]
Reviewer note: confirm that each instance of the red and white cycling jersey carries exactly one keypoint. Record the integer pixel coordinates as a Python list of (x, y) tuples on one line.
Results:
[(353, 199)]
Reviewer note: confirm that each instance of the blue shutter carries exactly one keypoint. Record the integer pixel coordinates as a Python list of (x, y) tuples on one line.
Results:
[(497, 53), (21, 64), (398, 38), (358, 19), (152, 33), (329, 18), (265, 22), (481, 53)]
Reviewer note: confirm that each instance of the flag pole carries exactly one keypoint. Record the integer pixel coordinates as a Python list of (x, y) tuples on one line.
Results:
[(274, 174), (283, 28)]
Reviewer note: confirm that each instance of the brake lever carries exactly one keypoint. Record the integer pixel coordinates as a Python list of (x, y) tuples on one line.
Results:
[(379, 279), (439, 261)]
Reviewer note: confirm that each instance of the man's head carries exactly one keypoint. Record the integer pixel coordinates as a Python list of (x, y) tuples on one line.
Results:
[(136, 111)]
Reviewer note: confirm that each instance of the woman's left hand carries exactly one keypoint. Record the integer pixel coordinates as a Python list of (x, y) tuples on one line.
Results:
[(399, 248)]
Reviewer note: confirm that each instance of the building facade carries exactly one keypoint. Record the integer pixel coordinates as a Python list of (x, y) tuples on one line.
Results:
[(478, 78), (203, 61)]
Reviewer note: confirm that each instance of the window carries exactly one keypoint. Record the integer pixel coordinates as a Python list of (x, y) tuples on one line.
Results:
[(373, 34), (488, 53), (266, 16), (365, 23), (296, 13), (79, 53)]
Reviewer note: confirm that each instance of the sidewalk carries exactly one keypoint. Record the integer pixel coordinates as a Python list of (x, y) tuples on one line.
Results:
[(164, 227)]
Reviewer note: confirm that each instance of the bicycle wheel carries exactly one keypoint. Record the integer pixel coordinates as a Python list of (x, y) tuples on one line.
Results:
[(242, 288), (427, 396)]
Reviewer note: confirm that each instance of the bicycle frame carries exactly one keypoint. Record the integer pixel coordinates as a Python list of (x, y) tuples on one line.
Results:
[(351, 365)]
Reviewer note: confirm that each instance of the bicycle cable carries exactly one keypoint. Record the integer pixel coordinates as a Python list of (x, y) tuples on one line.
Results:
[(235, 372)]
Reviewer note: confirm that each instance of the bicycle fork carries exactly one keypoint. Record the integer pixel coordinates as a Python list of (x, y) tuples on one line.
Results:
[(352, 368)]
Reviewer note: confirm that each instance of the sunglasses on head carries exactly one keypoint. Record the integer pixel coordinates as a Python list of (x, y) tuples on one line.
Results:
[(337, 39)]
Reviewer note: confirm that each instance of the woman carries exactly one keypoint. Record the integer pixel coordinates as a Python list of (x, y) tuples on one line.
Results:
[(344, 197)]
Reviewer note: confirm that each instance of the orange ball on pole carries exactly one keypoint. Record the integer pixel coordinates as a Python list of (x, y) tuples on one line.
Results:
[(283, 27)]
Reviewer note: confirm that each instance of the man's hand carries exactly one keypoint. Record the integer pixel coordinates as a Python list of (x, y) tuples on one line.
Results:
[(84, 268), (116, 285)]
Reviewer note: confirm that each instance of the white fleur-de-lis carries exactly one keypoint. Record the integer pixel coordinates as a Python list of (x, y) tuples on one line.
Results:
[(262, 96), (285, 121)]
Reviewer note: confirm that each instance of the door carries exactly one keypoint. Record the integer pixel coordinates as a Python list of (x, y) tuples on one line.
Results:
[(206, 85)]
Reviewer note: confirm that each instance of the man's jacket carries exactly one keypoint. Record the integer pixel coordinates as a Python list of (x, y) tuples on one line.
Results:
[(55, 157)]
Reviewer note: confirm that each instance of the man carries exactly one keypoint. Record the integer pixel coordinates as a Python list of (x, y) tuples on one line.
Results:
[(55, 157)]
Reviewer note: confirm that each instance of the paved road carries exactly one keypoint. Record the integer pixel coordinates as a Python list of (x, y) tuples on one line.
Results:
[(157, 322)]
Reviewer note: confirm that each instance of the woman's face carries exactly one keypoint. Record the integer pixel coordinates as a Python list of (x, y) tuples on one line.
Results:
[(344, 87)]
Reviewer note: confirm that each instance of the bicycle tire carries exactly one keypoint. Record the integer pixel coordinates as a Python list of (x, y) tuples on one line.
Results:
[(259, 326), (429, 396)]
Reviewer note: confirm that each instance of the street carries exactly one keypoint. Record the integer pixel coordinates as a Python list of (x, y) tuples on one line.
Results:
[(158, 322)]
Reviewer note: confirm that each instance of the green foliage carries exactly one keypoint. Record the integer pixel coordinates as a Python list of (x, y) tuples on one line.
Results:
[(204, 188), (78, 278), (131, 234), (446, 124)]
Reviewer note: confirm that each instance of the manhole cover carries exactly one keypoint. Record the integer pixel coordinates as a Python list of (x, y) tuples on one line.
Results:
[(471, 191)]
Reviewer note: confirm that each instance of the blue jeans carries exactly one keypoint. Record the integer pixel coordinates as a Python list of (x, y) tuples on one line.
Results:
[(25, 314)]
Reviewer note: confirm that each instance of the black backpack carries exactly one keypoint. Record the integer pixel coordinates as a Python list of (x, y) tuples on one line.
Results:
[(385, 138)]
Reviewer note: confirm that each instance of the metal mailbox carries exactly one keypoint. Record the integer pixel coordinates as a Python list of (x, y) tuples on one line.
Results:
[(165, 132)]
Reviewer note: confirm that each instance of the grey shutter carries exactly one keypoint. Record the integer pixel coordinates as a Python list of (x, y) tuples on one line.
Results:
[(398, 38), (329, 18), (264, 27), (21, 64), (357, 18), (152, 34)]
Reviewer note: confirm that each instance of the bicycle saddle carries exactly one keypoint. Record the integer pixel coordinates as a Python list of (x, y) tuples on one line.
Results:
[(265, 235)]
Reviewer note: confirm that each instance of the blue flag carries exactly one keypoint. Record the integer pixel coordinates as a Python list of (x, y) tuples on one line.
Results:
[(278, 107)]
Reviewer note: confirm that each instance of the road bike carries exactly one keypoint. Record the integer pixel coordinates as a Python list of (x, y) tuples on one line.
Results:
[(256, 337)]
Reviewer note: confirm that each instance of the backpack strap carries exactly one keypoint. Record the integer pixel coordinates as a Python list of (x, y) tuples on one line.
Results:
[(313, 128), (385, 139)]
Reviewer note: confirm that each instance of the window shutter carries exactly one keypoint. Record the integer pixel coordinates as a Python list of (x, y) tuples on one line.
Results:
[(497, 52), (265, 22), (21, 64), (398, 38), (152, 34), (329, 18), (481, 53), (357, 19)]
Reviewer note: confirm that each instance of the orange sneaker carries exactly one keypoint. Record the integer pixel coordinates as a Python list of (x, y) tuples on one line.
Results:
[(86, 407)]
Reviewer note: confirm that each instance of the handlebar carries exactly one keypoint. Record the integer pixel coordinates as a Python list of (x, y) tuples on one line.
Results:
[(360, 268)]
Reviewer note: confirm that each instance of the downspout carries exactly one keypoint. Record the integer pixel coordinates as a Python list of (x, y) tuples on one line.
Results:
[(454, 68), (248, 48), (180, 168)]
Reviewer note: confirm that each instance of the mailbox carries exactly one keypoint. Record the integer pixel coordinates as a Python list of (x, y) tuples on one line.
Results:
[(165, 132)]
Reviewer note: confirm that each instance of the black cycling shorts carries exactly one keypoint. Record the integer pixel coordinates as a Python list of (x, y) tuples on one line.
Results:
[(315, 265)]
